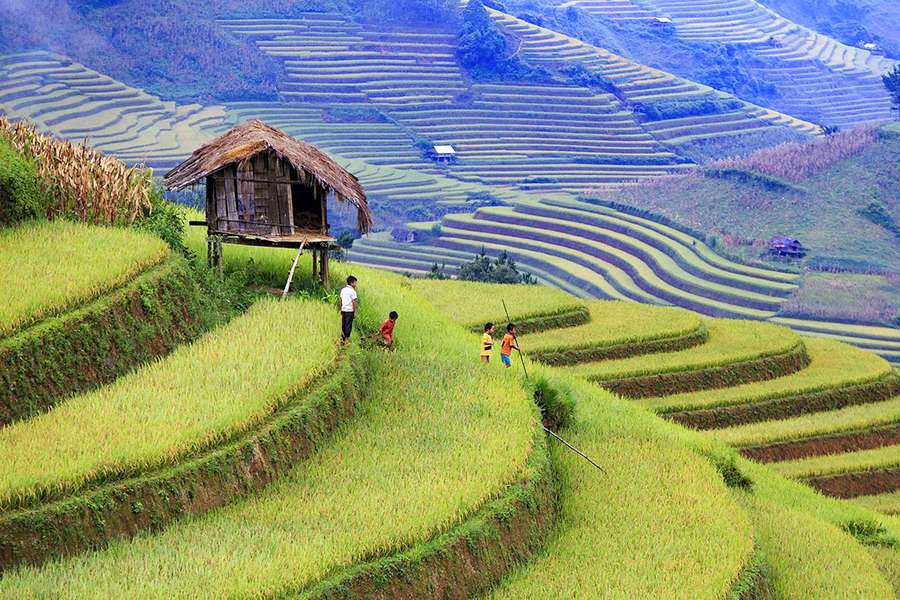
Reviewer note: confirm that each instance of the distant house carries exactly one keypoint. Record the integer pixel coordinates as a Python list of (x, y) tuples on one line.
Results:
[(873, 48), (443, 154), (785, 246)]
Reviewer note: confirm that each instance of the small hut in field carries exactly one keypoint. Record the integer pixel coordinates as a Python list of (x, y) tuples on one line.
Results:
[(266, 188)]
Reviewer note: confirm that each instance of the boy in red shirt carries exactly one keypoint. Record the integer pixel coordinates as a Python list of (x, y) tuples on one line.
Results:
[(386, 331), (508, 345)]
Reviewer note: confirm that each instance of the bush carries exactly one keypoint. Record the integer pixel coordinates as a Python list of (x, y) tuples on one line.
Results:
[(420, 12), (879, 215), (165, 220), (21, 194), (674, 109), (556, 404), (579, 75), (482, 50), (768, 182), (500, 270)]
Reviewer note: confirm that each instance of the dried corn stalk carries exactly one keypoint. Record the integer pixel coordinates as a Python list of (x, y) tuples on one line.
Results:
[(82, 182)]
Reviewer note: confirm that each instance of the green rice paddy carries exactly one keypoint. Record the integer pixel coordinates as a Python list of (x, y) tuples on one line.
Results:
[(615, 323), (832, 365), (52, 267), (833, 464), (437, 432), (195, 397), (730, 341), (851, 418)]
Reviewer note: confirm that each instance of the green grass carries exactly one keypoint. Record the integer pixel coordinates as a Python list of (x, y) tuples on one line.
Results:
[(437, 437), (730, 341), (808, 558), (832, 364), (472, 304), (51, 267), (854, 296), (851, 418), (888, 503), (659, 524), (834, 464), (614, 323), (198, 395)]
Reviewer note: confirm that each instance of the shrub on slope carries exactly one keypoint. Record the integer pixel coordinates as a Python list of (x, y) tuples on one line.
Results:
[(21, 196)]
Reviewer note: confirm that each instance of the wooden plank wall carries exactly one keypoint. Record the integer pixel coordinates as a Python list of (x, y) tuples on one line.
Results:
[(258, 198)]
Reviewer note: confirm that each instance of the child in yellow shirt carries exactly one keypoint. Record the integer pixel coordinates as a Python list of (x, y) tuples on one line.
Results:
[(487, 342)]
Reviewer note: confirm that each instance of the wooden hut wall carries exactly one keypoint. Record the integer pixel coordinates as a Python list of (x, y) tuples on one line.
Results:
[(266, 195)]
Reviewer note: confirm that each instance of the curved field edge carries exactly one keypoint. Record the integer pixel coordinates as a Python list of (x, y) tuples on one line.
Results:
[(199, 396), (881, 389), (656, 499), (754, 582), (809, 558), (47, 274), (858, 483), (537, 323), (591, 353), (92, 518), (851, 440), (470, 558), (93, 345), (682, 381)]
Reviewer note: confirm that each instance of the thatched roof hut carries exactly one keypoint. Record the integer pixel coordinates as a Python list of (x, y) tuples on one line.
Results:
[(264, 187), (263, 177)]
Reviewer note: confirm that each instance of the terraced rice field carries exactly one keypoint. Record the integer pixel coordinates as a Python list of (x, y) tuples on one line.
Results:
[(436, 430), (638, 83), (824, 411), (596, 251), (760, 349), (282, 540), (75, 102), (194, 398), (819, 79), (37, 286), (610, 333)]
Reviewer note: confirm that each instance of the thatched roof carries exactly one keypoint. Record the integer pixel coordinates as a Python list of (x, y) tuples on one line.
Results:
[(249, 139)]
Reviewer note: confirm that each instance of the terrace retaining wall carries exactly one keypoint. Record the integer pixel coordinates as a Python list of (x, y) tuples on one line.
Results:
[(91, 518), (92, 345)]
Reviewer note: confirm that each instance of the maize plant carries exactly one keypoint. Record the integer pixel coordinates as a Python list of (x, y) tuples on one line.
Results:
[(82, 182)]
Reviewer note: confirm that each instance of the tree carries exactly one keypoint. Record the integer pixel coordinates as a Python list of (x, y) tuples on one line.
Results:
[(892, 83), (437, 272), (501, 270), (479, 44)]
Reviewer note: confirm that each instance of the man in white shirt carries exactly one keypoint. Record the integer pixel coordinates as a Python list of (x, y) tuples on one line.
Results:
[(349, 305)]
